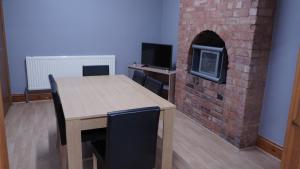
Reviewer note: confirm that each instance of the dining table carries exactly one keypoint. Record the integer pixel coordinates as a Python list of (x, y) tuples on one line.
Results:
[(87, 100)]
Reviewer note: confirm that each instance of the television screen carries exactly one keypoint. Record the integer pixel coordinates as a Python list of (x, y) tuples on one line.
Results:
[(157, 55)]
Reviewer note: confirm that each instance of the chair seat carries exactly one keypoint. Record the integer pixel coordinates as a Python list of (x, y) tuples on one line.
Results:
[(93, 135)]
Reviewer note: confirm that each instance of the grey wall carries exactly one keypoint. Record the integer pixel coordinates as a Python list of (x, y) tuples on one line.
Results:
[(282, 65), (78, 27), (170, 24)]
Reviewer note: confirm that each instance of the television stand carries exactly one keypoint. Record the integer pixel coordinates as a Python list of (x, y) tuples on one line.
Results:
[(166, 76)]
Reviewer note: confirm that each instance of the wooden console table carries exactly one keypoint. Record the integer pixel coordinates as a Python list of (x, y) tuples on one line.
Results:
[(166, 76)]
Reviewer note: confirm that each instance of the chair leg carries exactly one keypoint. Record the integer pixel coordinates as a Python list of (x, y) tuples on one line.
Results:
[(95, 166)]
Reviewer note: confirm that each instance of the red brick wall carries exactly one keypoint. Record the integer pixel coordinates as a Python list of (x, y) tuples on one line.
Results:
[(246, 28)]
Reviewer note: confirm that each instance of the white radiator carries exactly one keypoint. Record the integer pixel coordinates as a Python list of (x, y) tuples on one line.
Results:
[(39, 67)]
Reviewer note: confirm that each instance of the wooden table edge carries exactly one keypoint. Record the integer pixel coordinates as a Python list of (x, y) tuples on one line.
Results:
[(93, 117)]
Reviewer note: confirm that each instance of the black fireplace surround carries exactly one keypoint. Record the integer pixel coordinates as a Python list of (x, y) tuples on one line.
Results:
[(209, 57)]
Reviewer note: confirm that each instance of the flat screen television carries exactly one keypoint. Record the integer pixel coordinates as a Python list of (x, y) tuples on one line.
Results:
[(157, 55)]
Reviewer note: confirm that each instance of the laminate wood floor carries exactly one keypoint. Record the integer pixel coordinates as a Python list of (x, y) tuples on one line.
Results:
[(31, 136)]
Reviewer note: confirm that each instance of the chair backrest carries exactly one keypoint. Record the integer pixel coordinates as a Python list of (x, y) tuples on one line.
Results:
[(154, 85), (53, 91), (139, 77), (131, 138), (96, 70), (52, 84), (60, 117)]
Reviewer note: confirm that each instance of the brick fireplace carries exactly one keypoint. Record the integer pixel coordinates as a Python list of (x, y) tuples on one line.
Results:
[(231, 109)]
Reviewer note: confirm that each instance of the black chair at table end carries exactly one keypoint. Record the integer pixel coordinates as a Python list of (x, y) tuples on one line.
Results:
[(95, 70), (154, 85), (87, 135), (130, 140), (139, 77)]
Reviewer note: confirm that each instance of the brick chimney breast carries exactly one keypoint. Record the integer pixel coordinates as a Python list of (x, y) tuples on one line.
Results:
[(231, 110)]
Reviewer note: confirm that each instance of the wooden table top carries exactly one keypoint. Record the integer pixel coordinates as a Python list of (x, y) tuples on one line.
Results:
[(95, 96)]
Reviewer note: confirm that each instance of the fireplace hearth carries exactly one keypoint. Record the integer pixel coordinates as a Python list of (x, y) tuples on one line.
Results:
[(212, 33)]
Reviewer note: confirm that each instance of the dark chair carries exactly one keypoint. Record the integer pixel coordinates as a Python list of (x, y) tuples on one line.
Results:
[(58, 111), (154, 85), (139, 77), (96, 70), (130, 140)]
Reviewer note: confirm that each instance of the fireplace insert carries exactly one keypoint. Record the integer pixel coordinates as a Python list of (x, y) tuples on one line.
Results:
[(210, 63)]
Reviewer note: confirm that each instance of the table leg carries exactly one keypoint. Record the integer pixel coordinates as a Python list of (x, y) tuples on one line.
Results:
[(167, 139), (74, 147)]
